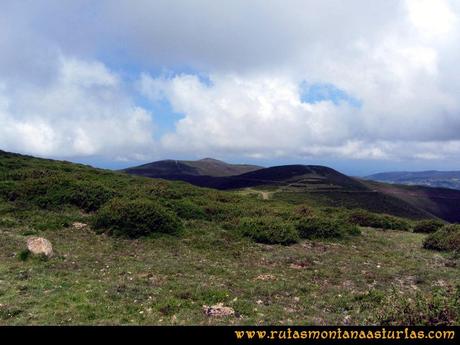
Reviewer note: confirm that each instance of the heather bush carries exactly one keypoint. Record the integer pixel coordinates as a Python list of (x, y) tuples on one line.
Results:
[(428, 226), (379, 221), (322, 227), (268, 229), (136, 218), (445, 239)]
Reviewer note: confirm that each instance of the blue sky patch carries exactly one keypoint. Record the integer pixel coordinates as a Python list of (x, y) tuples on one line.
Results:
[(318, 92)]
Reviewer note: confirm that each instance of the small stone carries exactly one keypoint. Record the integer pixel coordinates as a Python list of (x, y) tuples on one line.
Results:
[(218, 310), (265, 277), (40, 245), (347, 320), (79, 226)]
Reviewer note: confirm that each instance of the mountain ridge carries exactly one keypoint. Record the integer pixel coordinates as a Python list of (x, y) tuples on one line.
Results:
[(321, 184), (430, 178)]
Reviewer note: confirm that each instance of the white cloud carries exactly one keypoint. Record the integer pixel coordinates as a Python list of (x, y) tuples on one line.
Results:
[(399, 58), (83, 112), (432, 18), (247, 115)]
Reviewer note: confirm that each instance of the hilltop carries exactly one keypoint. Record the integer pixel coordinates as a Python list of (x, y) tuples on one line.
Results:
[(175, 169), (431, 178), (135, 250)]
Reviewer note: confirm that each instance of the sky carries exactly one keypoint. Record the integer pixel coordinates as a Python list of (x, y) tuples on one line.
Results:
[(362, 86)]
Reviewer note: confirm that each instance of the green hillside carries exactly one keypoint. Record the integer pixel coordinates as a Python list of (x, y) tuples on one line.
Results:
[(134, 250)]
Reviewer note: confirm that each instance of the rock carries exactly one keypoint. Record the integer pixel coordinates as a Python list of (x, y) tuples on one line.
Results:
[(40, 245), (265, 277), (79, 226), (218, 310)]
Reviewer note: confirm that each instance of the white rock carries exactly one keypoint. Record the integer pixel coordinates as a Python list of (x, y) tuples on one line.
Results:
[(78, 225), (218, 310), (40, 245)]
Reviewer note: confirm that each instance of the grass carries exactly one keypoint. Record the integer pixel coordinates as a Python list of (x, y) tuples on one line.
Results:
[(165, 278), (98, 279)]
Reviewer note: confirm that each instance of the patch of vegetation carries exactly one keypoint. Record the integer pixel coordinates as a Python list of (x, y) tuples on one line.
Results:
[(378, 221), (24, 255), (136, 218), (322, 227), (445, 239), (269, 230), (56, 191), (428, 226), (187, 209), (440, 307), (369, 201)]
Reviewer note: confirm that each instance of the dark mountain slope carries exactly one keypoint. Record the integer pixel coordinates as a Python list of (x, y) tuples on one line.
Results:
[(202, 167), (441, 202), (318, 177)]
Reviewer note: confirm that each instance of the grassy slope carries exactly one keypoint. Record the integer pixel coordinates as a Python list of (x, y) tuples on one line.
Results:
[(97, 279), (100, 280)]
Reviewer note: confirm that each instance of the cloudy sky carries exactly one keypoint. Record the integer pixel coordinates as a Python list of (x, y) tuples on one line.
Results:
[(359, 85)]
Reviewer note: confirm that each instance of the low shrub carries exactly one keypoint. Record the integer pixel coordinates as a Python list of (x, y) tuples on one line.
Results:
[(218, 211), (186, 209), (24, 255), (136, 218), (379, 221), (58, 191), (319, 227), (88, 196), (440, 307), (269, 230), (445, 239), (428, 226), (303, 211)]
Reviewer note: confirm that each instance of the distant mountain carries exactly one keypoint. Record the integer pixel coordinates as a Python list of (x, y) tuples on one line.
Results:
[(443, 203), (312, 183), (431, 178), (299, 184), (174, 169), (220, 175)]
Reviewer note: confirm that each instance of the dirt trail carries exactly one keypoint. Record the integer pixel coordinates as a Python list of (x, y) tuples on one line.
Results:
[(265, 195)]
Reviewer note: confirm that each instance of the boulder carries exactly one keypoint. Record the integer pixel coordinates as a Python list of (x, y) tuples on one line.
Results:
[(40, 245)]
